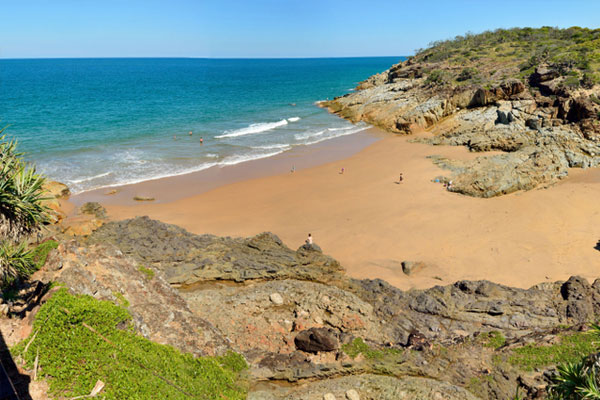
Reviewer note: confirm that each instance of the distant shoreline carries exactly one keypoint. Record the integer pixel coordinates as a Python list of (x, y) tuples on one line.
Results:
[(176, 187)]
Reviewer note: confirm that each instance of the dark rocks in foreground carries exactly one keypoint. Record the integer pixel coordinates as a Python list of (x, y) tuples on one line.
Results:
[(291, 312)]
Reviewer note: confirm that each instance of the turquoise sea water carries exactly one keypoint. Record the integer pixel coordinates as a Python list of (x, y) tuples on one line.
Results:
[(93, 123)]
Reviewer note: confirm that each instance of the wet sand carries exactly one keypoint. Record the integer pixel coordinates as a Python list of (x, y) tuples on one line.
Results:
[(371, 223)]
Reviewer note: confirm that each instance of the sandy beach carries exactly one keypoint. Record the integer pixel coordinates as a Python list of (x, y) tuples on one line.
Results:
[(371, 223)]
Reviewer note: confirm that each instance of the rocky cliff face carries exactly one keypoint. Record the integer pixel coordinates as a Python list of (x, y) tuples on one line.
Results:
[(298, 319), (543, 126)]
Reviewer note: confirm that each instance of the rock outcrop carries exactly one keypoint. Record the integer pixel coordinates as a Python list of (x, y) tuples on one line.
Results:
[(293, 314), (544, 127), (297, 318)]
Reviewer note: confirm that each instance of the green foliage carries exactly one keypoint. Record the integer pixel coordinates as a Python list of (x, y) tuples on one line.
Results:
[(570, 349), (16, 262), (21, 193), (467, 74), (121, 299), (40, 252), (518, 51), (81, 340), (494, 339), (358, 346), (149, 272), (438, 77), (578, 379), (572, 82)]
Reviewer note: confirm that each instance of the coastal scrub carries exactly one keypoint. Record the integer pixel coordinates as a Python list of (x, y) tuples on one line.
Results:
[(79, 340)]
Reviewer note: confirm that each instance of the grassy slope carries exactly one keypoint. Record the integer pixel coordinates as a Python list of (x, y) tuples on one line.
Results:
[(492, 57), (80, 340)]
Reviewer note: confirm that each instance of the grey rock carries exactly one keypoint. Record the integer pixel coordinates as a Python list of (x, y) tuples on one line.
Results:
[(314, 340), (187, 259), (352, 394), (276, 299), (408, 267)]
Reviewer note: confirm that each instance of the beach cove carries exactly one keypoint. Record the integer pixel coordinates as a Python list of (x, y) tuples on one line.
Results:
[(371, 223)]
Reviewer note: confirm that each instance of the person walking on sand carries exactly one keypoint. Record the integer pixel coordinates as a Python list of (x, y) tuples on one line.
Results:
[(293, 169), (342, 171), (309, 240), (401, 178)]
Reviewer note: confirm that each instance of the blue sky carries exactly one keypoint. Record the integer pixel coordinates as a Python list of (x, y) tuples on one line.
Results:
[(262, 28)]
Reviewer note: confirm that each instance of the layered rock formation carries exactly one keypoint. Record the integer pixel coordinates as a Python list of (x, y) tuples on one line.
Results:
[(297, 318), (544, 127)]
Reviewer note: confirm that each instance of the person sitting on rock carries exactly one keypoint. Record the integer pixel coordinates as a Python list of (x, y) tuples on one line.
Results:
[(309, 240)]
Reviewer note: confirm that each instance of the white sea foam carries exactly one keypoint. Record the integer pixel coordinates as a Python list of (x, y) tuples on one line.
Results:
[(346, 132), (273, 146), (240, 158), (293, 119), (254, 128), (130, 181), (309, 134), (344, 128), (91, 178)]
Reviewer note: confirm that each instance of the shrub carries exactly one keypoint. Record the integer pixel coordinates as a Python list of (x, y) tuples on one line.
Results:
[(438, 77), (571, 82), (16, 262), (21, 194), (467, 74), (578, 379)]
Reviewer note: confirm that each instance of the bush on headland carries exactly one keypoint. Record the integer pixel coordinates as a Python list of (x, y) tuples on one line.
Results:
[(493, 56), (22, 211)]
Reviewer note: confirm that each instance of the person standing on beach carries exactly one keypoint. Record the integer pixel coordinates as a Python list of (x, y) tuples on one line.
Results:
[(293, 169), (401, 178), (309, 240), (342, 171)]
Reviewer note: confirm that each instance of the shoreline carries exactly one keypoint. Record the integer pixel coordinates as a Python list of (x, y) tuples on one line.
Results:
[(172, 188), (370, 223)]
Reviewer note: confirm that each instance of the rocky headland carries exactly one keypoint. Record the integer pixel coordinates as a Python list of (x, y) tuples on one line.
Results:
[(537, 103), (308, 331)]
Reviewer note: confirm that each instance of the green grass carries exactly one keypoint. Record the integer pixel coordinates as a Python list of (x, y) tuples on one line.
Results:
[(40, 253), (121, 299), (493, 339), (72, 357), (571, 348), (149, 272), (358, 346)]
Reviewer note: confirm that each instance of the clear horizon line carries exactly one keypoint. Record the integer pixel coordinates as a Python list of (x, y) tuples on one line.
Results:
[(198, 58)]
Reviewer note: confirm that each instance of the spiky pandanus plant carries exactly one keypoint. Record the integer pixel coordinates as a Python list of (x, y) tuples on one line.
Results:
[(21, 208), (21, 193), (580, 380)]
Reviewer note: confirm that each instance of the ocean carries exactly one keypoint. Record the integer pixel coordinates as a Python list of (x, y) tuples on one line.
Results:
[(93, 123)]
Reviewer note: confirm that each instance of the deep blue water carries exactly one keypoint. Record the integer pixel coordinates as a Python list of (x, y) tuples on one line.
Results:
[(97, 122)]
